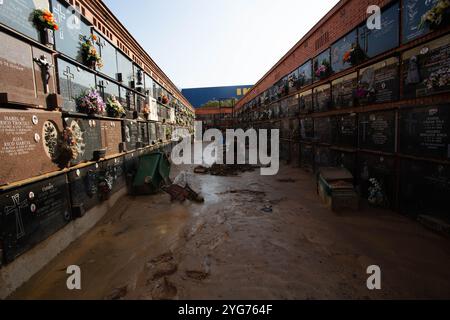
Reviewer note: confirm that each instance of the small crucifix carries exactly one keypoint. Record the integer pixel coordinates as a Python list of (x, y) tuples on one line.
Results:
[(70, 76), (46, 75), (16, 208)]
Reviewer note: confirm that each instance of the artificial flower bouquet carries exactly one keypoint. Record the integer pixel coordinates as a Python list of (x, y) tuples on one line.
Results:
[(436, 16), (89, 53), (91, 103), (44, 19), (323, 70), (114, 108)]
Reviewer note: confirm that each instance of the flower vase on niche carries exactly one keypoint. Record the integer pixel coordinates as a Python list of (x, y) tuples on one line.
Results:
[(89, 53), (437, 17), (44, 20)]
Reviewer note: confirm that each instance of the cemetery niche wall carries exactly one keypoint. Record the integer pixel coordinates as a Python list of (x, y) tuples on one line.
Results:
[(78, 104), (372, 101)]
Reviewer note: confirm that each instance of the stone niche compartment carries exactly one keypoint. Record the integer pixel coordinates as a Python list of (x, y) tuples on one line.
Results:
[(84, 189), (322, 157), (113, 171), (28, 143), (307, 156), (346, 131), (344, 91), (130, 134), (152, 133), (32, 213), (379, 83), (306, 102), (323, 130), (424, 190), (322, 98), (143, 134), (24, 79), (88, 133), (377, 131), (376, 179), (426, 69), (425, 132), (111, 136)]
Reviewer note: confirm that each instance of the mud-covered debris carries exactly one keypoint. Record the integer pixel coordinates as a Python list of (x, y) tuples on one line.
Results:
[(197, 275), (118, 293), (164, 269), (165, 257), (164, 290), (288, 180), (268, 208), (225, 170), (181, 194)]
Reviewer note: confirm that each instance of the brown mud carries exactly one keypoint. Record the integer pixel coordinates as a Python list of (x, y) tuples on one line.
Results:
[(254, 237)]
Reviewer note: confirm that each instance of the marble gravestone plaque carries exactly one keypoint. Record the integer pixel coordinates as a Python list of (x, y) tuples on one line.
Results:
[(130, 134), (72, 29), (88, 136), (143, 134), (83, 185), (425, 187), (27, 74), (377, 131), (376, 179), (111, 134), (426, 69), (306, 102), (323, 130), (306, 129), (425, 132), (377, 41), (152, 133), (31, 214), (28, 143), (128, 100), (413, 11), (18, 15), (322, 98), (343, 91), (379, 83), (113, 170), (346, 133), (74, 81)]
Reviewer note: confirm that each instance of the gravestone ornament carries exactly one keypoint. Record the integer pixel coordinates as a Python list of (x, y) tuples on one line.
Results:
[(28, 143), (32, 213), (27, 75), (427, 69)]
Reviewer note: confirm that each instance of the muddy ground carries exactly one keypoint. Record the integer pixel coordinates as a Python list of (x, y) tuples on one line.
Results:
[(229, 248)]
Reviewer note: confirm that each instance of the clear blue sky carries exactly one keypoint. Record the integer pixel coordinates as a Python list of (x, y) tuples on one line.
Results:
[(207, 43)]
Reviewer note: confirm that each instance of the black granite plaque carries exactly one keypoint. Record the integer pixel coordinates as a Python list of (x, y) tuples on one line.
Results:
[(377, 131), (131, 134), (425, 132), (285, 129), (125, 70), (376, 179), (72, 29), (344, 91), (346, 133), (307, 129), (128, 101), (295, 154), (112, 172), (88, 137), (379, 83), (73, 81), (322, 66), (427, 69), (143, 134), (160, 132), (323, 130), (18, 15), (152, 133), (339, 50), (322, 98), (276, 110), (108, 53), (413, 11), (293, 106), (293, 82), (284, 112), (424, 190), (306, 102), (84, 189), (107, 89), (305, 77), (377, 41), (32, 213)]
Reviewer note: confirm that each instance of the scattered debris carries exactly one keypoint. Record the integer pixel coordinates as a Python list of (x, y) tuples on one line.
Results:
[(164, 290), (165, 269), (166, 257), (118, 293), (225, 170), (267, 208), (178, 193), (289, 180)]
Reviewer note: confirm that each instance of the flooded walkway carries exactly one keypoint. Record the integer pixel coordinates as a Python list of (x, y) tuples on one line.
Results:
[(254, 238)]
